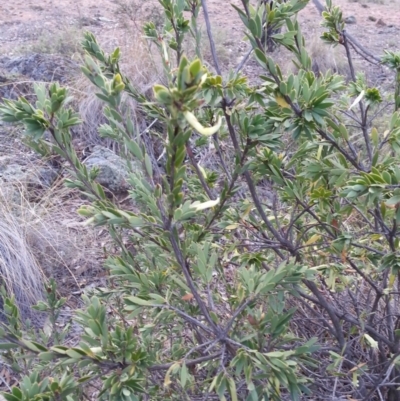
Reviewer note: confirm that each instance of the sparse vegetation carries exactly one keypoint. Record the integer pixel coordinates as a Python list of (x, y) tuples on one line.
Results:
[(135, 11), (65, 41), (258, 252)]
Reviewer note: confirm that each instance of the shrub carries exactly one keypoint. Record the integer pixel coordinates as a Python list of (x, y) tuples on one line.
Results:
[(273, 275)]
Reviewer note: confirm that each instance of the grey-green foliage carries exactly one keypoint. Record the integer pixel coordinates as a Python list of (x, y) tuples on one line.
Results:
[(222, 290)]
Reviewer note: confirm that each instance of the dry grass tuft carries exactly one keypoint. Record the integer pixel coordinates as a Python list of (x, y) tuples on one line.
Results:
[(140, 63), (140, 60), (224, 47), (325, 57), (90, 109), (19, 270), (42, 237), (65, 249)]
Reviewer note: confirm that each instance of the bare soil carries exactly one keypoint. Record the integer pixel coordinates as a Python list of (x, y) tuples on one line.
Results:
[(22, 22)]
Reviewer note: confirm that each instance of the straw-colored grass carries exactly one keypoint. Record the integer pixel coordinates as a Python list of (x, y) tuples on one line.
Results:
[(142, 65), (20, 272), (43, 237)]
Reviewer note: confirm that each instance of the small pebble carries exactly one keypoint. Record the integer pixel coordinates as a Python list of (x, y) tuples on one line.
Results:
[(380, 22), (350, 20)]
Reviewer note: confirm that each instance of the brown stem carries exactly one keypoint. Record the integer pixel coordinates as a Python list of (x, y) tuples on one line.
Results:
[(190, 362), (180, 259), (210, 37), (198, 171)]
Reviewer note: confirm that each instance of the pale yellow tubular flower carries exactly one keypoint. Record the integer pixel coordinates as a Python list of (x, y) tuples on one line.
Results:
[(358, 100), (372, 343), (205, 131), (203, 78), (165, 52), (205, 205)]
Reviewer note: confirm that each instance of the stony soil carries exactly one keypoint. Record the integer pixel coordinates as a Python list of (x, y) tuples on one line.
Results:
[(26, 22)]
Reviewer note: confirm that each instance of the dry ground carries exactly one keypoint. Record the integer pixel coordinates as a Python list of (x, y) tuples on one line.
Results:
[(56, 26), (25, 23)]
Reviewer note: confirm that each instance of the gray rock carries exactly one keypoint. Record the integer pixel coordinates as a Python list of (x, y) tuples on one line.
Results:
[(380, 22), (24, 176), (38, 177), (113, 171), (11, 87), (39, 67), (350, 20), (87, 21), (103, 19), (17, 72)]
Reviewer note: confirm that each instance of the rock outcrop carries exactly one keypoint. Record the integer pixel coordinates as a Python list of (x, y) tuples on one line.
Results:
[(113, 171)]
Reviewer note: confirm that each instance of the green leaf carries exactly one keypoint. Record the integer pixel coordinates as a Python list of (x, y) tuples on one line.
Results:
[(158, 298), (261, 58), (11, 397), (375, 137), (393, 201), (232, 389), (148, 165), (47, 356), (195, 67), (33, 346), (7, 346), (142, 302), (75, 353), (135, 149), (184, 375)]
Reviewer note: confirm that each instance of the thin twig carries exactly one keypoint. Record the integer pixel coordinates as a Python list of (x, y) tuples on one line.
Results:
[(190, 362), (198, 172), (237, 312), (243, 61), (190, 319), (182, 262), (210, 37)]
